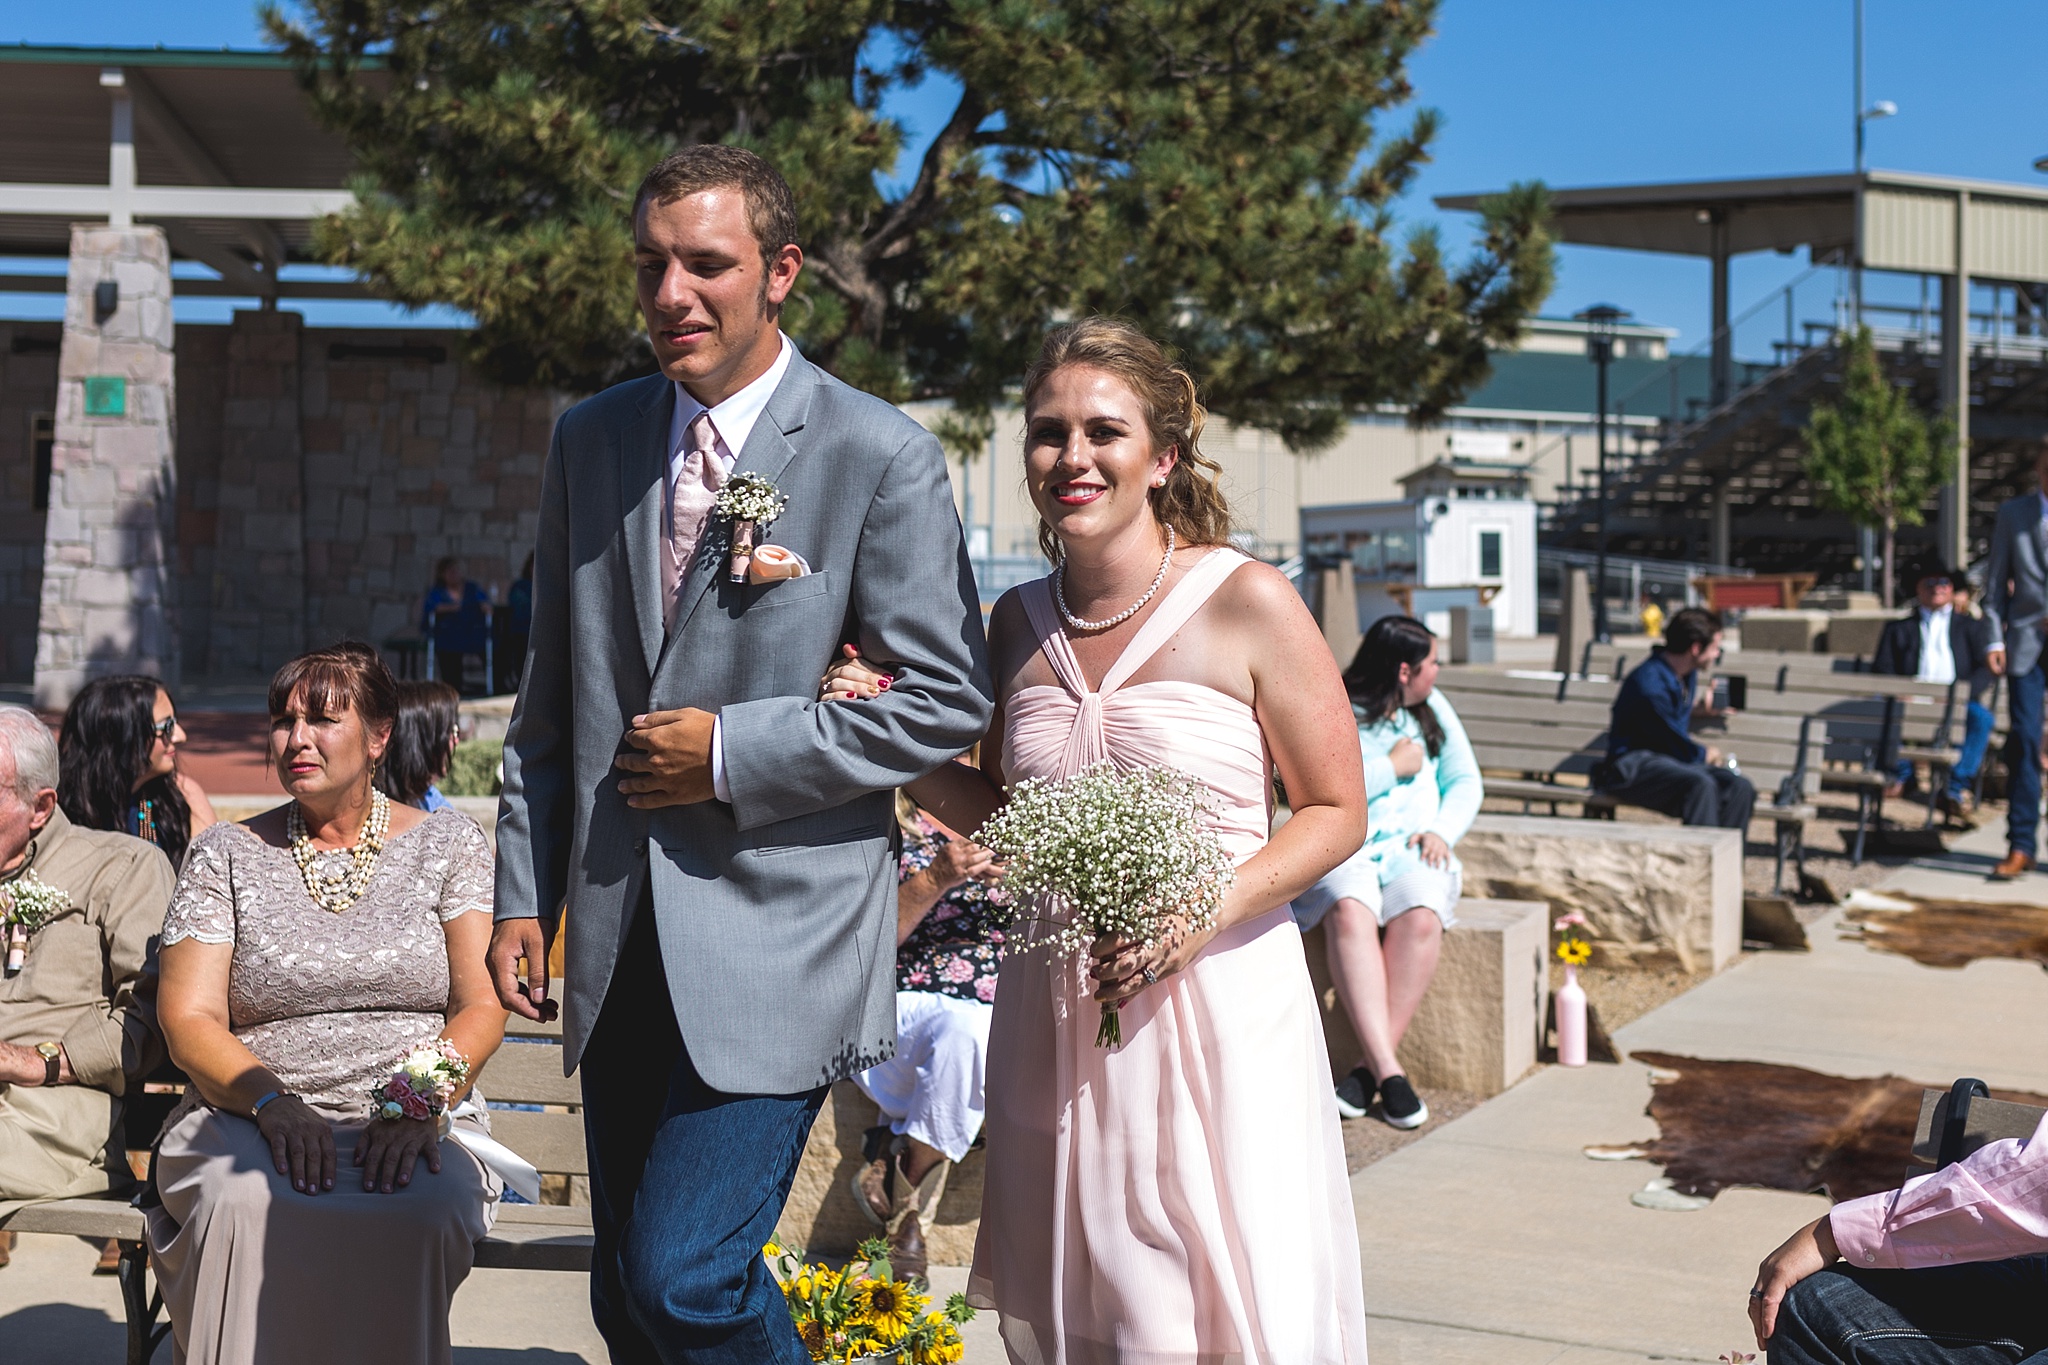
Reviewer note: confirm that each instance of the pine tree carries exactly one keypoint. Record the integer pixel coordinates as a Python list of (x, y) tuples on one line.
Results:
[(1873, 456), (1210, 171)]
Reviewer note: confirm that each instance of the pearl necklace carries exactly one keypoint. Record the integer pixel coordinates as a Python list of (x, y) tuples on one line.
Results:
[(337, 892), (1059, 576)]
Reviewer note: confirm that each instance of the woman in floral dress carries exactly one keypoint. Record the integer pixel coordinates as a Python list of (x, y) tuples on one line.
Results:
[(949, 943)]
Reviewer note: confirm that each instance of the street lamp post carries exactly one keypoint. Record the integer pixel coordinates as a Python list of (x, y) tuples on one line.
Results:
[(1601, 320)]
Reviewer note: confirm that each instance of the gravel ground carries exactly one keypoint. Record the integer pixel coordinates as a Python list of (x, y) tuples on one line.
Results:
[(1366, 1140)]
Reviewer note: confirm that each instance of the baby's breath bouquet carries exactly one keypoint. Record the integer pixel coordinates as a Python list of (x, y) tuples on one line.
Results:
[(749, 504), (1108, 851)]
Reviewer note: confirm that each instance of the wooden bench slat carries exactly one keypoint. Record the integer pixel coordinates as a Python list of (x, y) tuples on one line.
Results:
[(96, 1218), (552, 1142), (529, 1073)]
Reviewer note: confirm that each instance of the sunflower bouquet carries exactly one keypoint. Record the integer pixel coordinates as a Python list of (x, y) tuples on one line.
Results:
[(864, 1312), (1111, 852)]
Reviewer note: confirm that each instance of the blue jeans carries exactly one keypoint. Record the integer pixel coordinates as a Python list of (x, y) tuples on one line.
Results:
[(686, 1183), (1977, 725), (1992, 1313), (2023, 816)]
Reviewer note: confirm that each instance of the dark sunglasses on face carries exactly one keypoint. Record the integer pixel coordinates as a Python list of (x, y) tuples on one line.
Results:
[(165, 728)]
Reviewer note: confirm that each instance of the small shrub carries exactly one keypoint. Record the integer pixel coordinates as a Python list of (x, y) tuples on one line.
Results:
[(477, 769)]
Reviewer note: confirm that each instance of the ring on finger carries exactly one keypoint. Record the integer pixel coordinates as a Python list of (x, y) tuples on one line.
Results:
[(1151, 977), (1756, 1293)]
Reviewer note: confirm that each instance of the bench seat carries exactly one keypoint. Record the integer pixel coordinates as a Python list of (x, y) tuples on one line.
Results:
[(527, 1236)]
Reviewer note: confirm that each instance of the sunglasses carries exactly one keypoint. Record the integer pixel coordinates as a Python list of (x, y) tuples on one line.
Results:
[(165, 728)]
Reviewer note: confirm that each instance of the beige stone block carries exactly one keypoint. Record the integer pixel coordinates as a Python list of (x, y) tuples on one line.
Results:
[(1856, 632), (1662, 894), (1476, 1029), (821, 1216), (1794, 632)]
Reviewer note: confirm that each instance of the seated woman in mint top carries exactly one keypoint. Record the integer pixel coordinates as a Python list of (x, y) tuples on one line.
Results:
[(1423, 789)]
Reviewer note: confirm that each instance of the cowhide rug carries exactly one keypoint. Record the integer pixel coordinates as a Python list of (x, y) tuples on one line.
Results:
[(1780, 1127), (1947, 933)]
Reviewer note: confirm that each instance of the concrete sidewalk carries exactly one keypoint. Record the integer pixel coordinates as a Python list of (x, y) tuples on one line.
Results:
[(1496, 1240)]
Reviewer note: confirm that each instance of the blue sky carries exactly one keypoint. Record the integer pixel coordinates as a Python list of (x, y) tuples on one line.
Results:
[(1573, 92)]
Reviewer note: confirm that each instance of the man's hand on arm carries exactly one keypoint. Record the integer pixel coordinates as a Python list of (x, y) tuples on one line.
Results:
[(25, 1066), (670, 761), (1995, 660)]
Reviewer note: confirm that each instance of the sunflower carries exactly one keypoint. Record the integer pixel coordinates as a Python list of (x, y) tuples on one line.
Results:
[(1574, 952), (889, 1307), (812, 1333)]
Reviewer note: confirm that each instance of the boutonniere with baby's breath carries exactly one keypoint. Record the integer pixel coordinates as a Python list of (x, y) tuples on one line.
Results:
[(750, 504), (1107, 851), (26, 904)]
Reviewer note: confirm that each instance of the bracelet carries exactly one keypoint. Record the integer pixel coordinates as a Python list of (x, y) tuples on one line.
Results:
[(257, 1108)]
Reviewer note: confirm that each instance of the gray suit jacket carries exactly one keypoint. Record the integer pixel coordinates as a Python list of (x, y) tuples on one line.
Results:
[(2016, 581), (776, 913)]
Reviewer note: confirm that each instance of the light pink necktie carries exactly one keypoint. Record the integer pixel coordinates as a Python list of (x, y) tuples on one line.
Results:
[(697, 484)]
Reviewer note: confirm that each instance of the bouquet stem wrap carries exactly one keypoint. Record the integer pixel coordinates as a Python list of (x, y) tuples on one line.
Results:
[(1112, 852)]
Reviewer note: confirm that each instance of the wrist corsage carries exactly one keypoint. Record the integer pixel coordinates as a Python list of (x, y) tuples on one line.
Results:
[(423, 1085), (750, 504), (26, 904)]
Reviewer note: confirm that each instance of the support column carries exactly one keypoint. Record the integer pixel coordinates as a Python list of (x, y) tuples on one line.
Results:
[(1955, 392), (259, 594), (1721, 544), (108, 584), (1722, 368)]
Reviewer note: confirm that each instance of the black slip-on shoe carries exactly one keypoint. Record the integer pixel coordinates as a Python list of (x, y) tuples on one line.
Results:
[(1354, 1093), (1400, 1106)]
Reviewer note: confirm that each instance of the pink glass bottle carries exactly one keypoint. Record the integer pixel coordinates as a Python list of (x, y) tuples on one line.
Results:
[(1571, 1019)]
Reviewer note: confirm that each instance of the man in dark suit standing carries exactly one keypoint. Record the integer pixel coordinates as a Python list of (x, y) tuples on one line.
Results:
[(1937, 643), (2016, 601)]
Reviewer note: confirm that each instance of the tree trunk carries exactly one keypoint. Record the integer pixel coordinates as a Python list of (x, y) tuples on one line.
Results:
[(1891, 539)]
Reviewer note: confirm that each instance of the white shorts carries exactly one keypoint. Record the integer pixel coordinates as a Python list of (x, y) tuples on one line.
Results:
[(931, 1090)]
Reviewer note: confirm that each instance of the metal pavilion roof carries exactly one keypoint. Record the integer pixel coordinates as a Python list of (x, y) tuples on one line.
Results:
[(211, 118)]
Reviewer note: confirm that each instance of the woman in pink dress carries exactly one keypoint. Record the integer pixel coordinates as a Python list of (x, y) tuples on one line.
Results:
[(1181, 1199)]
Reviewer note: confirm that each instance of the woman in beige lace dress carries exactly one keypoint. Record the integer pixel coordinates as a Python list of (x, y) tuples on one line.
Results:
[(305, 952)]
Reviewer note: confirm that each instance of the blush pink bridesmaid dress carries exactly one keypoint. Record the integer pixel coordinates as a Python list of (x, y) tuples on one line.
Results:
[(1182, 1199)]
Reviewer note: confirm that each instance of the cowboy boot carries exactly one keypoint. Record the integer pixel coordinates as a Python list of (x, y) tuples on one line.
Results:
[(874, 1185), (916, 1208)]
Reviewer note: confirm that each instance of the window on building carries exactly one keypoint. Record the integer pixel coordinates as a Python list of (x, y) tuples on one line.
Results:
[(42, 445), (1489, 554)]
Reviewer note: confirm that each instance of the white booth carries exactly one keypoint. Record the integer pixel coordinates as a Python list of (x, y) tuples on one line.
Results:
[(1465, 535)]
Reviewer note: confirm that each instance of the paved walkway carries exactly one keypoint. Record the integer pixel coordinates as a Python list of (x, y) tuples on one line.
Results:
[(1496, 1240), (1492, 1241)]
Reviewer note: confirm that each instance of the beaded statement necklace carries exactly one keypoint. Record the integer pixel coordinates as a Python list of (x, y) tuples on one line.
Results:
[(336, 892), (1059, 577)]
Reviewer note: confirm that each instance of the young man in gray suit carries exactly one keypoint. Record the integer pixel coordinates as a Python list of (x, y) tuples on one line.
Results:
[(723, 841), (2016, 600)]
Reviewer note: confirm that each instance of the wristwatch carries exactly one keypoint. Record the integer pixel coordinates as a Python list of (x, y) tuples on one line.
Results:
[(52, 1055)]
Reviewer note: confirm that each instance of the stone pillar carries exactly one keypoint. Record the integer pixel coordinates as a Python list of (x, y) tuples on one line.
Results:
[(108, 596), (259, 596)]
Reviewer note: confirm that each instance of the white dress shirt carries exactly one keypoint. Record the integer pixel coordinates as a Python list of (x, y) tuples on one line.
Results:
[(734, 419), (1937, 658)]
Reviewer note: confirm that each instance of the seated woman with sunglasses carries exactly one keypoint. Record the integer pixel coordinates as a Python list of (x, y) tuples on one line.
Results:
[(118, 765)]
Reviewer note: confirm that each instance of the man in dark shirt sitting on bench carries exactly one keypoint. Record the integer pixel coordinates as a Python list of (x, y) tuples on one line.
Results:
[(1652, 759)]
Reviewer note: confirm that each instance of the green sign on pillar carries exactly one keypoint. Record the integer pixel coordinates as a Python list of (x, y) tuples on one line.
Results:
[(106, 395)]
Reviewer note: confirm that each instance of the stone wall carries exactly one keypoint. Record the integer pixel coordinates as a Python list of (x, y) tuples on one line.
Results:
[(320, 472), (109, 596)]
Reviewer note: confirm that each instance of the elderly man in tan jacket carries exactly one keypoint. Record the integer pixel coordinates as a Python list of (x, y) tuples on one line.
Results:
[(73, 1034)]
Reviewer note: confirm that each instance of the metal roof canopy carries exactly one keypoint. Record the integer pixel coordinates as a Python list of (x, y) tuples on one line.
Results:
[(1900, 212), (1939, 225), (209, 135)]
